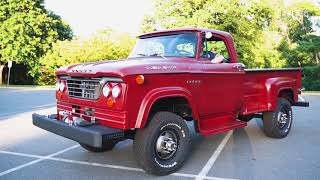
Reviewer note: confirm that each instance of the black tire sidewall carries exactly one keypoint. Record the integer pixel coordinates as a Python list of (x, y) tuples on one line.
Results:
[(146, 138)]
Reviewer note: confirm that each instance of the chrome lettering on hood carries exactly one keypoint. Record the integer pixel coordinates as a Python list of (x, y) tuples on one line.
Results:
[(161, 67), (81, 69)]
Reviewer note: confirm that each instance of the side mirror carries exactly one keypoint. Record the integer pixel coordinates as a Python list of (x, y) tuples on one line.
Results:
[(208, 35)]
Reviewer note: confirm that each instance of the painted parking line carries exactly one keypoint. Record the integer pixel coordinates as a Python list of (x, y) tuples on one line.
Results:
[(37, 160), (101, 165), (206, 168)]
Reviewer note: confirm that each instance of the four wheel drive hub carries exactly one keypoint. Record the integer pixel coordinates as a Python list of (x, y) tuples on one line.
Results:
[(166, 144), (94, 135)]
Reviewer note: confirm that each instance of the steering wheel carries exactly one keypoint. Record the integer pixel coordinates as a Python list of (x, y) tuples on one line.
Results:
[(183, 52), (226, 60)]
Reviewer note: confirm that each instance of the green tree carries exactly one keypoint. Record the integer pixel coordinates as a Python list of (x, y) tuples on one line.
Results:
[(27, 32), (246, 20), (299, 46), (103, 45)]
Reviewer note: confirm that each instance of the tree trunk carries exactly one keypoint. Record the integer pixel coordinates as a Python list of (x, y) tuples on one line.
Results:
[(318, 58), (1, 69)]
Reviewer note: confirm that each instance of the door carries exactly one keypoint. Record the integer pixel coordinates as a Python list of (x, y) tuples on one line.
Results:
[(222, 89)]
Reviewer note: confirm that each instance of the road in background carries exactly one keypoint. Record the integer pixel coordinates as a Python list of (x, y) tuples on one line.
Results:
[(18, 100)]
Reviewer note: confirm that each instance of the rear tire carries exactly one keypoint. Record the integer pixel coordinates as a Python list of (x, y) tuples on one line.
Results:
[(106, 147), (277, 123), (163, 145)]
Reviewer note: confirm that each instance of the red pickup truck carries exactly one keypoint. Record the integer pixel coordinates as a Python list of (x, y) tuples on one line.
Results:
[(170, 78)]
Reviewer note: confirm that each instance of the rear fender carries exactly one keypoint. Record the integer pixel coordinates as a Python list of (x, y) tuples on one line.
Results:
[(274, 86), (159, 93)]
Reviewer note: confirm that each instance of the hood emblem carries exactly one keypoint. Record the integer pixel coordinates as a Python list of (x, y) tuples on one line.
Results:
[(81, 70)]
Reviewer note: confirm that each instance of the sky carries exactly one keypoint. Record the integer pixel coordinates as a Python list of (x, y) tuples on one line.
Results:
[(87, 16)]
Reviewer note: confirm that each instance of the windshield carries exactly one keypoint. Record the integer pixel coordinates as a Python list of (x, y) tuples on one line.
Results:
[(177, 45)]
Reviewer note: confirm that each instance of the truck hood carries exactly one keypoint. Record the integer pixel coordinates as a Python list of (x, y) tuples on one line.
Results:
[(121, 68)]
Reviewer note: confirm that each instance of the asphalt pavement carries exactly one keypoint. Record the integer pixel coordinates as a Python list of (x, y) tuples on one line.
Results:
[(27, 152)]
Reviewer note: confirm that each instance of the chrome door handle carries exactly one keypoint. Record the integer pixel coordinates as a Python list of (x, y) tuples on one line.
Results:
[(239, 66)]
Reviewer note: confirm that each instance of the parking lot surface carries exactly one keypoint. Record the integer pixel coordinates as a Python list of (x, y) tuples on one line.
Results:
[(27, 152)]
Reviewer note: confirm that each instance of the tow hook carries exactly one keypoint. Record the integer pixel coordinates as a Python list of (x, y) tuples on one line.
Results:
[(71, 120)]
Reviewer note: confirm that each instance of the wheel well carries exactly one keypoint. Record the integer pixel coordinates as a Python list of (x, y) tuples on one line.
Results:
[(177, 105), (288, 94)]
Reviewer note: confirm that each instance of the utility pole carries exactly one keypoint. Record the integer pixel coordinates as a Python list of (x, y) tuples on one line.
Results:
[(9, 66)]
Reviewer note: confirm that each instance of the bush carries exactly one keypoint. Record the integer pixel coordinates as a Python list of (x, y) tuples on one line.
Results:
[(100, 46), (311, 78)]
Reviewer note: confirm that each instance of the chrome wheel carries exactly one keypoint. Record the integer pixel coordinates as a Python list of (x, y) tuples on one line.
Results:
[(166, 145), (283, 119)]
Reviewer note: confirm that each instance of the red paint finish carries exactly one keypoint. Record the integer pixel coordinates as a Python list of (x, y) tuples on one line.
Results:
[(216, 93)]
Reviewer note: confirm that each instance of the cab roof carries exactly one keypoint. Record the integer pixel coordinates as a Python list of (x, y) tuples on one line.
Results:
[(180, 30)]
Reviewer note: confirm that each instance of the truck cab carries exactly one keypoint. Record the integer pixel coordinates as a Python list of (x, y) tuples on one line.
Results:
[(169, 78)]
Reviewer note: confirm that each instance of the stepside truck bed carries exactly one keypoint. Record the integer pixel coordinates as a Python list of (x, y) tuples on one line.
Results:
[(263, 86)]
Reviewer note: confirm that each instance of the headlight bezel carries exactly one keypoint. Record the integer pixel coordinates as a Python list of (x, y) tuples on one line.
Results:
[(62, 86), (106, 90), (57, 86), (116, 91)]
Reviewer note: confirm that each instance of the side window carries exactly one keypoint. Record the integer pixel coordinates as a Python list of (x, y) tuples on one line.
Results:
[(217, 47)]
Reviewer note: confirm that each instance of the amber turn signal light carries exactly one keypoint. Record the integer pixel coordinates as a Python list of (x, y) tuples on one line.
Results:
[(59, 95), (110, 102), (140, 79)]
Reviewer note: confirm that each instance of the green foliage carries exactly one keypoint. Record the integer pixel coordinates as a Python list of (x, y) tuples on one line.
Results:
[(311, 78), (103, 45), (28, 31), (246, 20), (299, 46), (266, 33), (298, 19)]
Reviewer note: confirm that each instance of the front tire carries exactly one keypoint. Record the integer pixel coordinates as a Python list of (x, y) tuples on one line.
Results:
[(277, 123), (106, 147), (162, 146)]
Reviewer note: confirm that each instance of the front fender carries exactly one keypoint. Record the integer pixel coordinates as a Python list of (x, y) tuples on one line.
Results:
[(274, 86), (158, 93)]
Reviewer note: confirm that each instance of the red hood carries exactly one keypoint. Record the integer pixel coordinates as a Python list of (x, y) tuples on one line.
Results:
[(121, 68)]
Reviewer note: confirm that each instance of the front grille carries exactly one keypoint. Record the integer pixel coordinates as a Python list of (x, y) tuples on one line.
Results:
[(84, 88)]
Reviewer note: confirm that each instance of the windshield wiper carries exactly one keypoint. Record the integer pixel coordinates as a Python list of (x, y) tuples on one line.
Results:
[(141, 54), (159, 55), (155, 54)]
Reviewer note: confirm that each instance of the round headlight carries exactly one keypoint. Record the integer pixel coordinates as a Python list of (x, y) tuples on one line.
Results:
[(106, 90), (61, 86), (57, 86), (116, 91)]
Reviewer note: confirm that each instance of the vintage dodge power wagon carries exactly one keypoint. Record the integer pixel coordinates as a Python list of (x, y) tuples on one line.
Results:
[(168, 79)]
